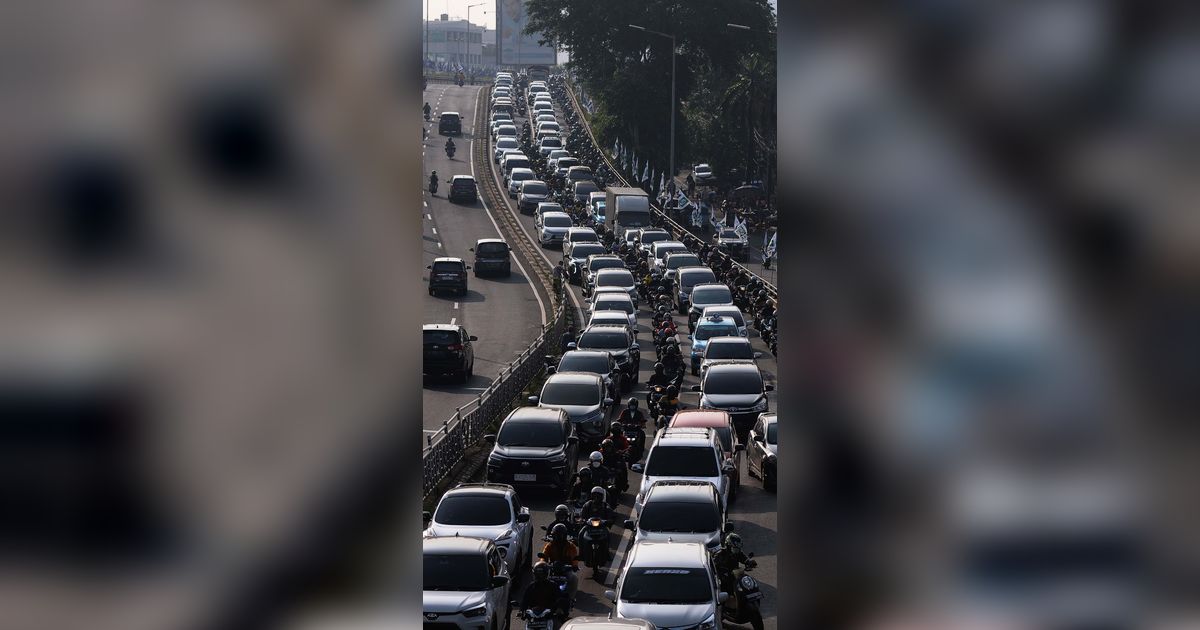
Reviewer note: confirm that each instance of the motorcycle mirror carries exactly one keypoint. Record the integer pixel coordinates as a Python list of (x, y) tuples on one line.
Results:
[(757, 355), (429, 266), (540, 554), (573, 439), (499, 581), (551, 370), (768, 388), (728, 529), (571, 345), (472, 337), (637, 468), (630, 523), (739, 447), (425, 516), (722, 597), (635, 347), (470, 249), (608, 401), (611, 596), (523, 517)]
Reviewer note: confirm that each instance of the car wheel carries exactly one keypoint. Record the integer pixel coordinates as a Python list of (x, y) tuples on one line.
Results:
[(431, 291)]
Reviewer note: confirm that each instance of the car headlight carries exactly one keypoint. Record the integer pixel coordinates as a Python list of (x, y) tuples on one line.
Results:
[(761, 405), (504, 539), (495, 460), (708, 624), (480, 611)]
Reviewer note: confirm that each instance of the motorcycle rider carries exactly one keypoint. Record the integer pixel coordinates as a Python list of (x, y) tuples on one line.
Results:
[(601, 476), (728, 560), (616, 434), (583, 481), (426, 109), (615, 463), (562, 515), (596, 507), (541, 592), (449, 146), (631, 414), (561, 549), (433, 183)]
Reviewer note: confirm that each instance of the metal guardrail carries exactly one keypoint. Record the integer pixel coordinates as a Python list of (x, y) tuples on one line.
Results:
[(673, 226)]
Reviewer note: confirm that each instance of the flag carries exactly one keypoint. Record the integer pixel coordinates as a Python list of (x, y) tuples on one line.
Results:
[(766, 237), (682, 201), (662, 182), (615, 145), (633, 170), (696, 216), (740, 228), (771, 246), (646, 172)]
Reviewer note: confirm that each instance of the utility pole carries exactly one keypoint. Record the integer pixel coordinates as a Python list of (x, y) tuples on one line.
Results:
[(671, 172)]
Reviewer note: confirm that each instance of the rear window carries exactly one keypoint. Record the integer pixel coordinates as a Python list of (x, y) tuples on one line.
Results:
[(507, 143), (625, 306), (682, 461), (525, 433), (663, 251), (729, 351), (666, 586), (440, 337), (605, 263), (491, 249), (552, 142), (675, 262), (567, 162), (684, 517), (557, 222), (653, 237), (447, 267), (604, 340), (614, 279), (570, 394), (534, 189), (585, 186), (596, 364), (448, 118), (704, 333), (728, 234), (521, 176), (712, 295), (741, 382), (583, 250), (700, 276)]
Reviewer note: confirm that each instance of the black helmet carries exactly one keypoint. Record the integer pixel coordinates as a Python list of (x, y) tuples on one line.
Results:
[(672, 390), (633, 403), (658, 367), (559, 532), (733, 541), (561, 512), (762, 293), (597, 492), (434, 173), (585, 472), (541, 570)]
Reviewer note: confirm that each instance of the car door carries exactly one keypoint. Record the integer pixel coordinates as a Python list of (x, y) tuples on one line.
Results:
[(754, 448), (468, 349), (521, 529)]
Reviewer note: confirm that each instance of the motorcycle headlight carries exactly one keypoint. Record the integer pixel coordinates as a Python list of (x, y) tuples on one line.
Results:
[(480, 611), (708, 624), (747, 582)]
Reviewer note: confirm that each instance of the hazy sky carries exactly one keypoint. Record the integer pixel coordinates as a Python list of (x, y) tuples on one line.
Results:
[(484, 15)]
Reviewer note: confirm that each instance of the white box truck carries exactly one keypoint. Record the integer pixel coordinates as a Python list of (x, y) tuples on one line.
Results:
[(626, 208)]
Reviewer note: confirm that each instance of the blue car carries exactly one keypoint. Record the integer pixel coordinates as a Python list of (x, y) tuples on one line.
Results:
[(707, 328)]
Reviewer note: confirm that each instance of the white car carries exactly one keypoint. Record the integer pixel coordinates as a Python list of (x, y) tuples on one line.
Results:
[(506, 131), (545, 117), (503, 145), (465, 583), (491, 511), (543, 106), (616, 318), (560, 166), (702, 173), (549, 143), (614, 301), (552, 227), (727, 310), (515, 178), (669, 584), (619, 279), (682, 511), (727, 350), (685, 454)]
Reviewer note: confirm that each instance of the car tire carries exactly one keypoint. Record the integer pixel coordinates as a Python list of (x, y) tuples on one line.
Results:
[(431, 291)]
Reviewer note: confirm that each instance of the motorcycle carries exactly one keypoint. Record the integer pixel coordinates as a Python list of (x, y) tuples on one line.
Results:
[(537, 619), (427, 118), (746, 598), (594, 536), (450, 152), (433, 186), (637, 440)]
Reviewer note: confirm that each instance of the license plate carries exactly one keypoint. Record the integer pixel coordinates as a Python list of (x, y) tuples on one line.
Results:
[(522, 477)]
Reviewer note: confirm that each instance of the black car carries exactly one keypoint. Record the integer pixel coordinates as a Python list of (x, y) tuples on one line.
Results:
[(617, 341), (447, 351), (492, 255), (596, 362), (448, 274), (463, 187), (576, 255), (535, 446), (450, 124)]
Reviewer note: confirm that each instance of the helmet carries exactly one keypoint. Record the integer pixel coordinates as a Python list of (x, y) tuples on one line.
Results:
[(561, 512), (595, 459), (559, 532), (658, 367), (633, 403), (433, 173), (585, 472), (733, 541), (606, 445), (762, 293), (672, 390), (597, 492), (541, 570), (616, 427)]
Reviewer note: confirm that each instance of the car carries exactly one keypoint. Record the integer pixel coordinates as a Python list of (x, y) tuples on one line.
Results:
[(669, 584), (450, 124), (564, 164), (648, 236), (730, 242), (629, 236), (707, 294), (686, 279), (619, 278), (727, 349), (542, 96), (537, 88), (728, 310), (580, 173), (491, 511), (542, 106), (505, 131), (532, 192), (614, 301), (673, 261), (584, 396), (707, 328), (504, 145), (549, 144), (502, 105), (496, 117), (492, 255), (702, 173), (552, 227), (615, 318), (582, 235), (448, 273), (546, 206), (736, 388), (542, 134), (462, 187), (549, 126), (551, 159), (582, 189), (685, 454), (595, 263), (534, 446), (575, 254), (659, 250), (681, 511), (595, 362), (516, 176), (514, 161), (722, 423), (545, 117), (604, 623), (619, 341), (446, 349), (465, 583), (763, 450)]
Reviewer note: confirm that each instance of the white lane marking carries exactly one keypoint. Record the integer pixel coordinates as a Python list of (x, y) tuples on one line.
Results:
[(451, 321), (528, 279), (435, 234), (456, 306), (426, 205), (614, 567), (439, 243)]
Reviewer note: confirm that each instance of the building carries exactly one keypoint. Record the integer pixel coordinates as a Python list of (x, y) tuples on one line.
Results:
[(459, 42)]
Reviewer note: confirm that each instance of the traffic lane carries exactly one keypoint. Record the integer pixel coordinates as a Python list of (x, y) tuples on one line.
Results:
[(502, 312)]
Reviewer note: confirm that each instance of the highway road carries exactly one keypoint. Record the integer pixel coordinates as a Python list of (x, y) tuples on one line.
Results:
[(505, 313)]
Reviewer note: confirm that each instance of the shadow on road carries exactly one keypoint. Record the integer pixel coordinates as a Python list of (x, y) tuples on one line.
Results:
[(448, 385)]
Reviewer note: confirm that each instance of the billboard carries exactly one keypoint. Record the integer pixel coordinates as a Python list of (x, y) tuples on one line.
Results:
[(513, 48)]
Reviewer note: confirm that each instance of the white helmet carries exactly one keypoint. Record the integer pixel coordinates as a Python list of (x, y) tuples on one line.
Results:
[(595, 459)]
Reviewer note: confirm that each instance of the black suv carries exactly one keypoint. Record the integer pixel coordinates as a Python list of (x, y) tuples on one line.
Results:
[(448, 273), (450, 124), (492, 255), (462, 187), (535, 446), (617, 341), (576, 254), (447, 350)]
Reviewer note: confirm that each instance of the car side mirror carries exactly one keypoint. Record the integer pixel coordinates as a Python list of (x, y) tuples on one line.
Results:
[(490, 437), (500, 581), (630, 523), (758, 438), (635, 347), (608, 401), (571, 345), (695, 388), (523, 517), (722, 597), (727, 469), (540, 554), (611, 596), (728, 529), (429, 266), (425, 516), (467, 267), (472, 337), (757, 355), (551, 369), (470, 249), (768, 388), (533, 400), (637, 468)]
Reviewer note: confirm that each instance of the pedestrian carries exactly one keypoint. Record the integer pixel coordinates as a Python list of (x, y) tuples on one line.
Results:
[(691, 185), (568, 338)]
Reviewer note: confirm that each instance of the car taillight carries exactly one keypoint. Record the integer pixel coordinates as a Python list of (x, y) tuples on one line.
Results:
[(455, 347)]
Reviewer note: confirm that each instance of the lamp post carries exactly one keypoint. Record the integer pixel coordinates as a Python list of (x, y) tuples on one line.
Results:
[(743, 27), (672, 38), (469, 7)]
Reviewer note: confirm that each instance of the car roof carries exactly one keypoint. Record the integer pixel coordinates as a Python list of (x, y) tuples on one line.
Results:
[(612, 316), (668, 554), (451, 114), (453, 327), (662, 244), (696, 269), (587, 353), (547, 215), (654, 230), (612, 271), (585, 183), (599, 256), (490, 240), (580, 228), (455, 545), (574, 377), (730, 339), (615, 295), (681, 491), (480, 489), (450, 259), (733, 367), (462, 177), (533, 181), (579, 168), (522, 170), (704, 285), (623, 328), (549, 203), (604, 623), (700, 419), (722, 320), (537, 414)]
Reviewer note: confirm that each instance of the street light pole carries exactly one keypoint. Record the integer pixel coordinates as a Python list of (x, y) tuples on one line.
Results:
[(672, 38), (469, 31)]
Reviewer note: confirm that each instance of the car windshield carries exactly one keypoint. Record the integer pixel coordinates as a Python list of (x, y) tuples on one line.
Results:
[(523, 433), (740, 382), (681, 461), (677, 261), (690, 280), (557, 221), (581, 173), (772, 432), (583, 250), (594, 363), (604, 339), (516, 177), (559, 393), (551, 142), (507, 143), (534, 189), (439, 337), (663, 251), (491, 249), (625, 306), (455, 572), (615, 279), (704, 333), (507, 130), (666, 586), (712, 295), (605, 263), (672, 516), (550, 207), (653, 237), (473, 510), (447, 267), (567, 162), (585, 187), (729, 351), (518, 162)]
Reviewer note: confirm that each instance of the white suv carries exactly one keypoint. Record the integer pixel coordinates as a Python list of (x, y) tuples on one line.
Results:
[(684, 454), (671, 585), (486, 510), (465, 583)]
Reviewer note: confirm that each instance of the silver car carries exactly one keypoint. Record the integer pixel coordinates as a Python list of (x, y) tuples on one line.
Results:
[(682, 511), (684, 454), (763, 449), (584, 396), (670, 584), (616, 278), (490, 511), (465, 583)]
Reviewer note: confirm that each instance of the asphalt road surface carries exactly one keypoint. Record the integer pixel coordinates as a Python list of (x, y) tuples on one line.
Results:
[(503, 312)]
